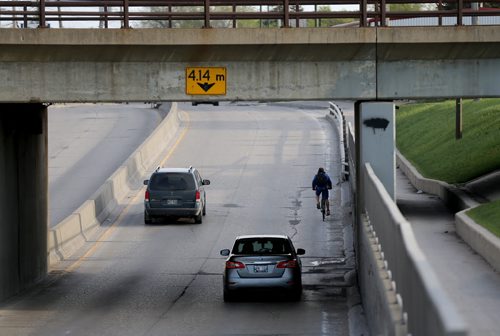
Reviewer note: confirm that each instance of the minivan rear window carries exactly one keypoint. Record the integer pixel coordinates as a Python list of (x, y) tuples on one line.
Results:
[(172, 181)]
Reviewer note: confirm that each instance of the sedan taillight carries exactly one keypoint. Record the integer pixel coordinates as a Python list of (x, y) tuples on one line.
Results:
[(234, 264), (146, 196), (287, 264)]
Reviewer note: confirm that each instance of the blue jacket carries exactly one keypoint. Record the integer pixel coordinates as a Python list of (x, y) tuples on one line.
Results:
[(320, 186)]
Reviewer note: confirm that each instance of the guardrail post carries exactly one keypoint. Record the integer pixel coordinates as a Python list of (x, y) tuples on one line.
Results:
[(440, 17), (25, 21), (125, 14), (106, 17), (460, 12), (234, 12), (286, 14), (207, 14), (382, 13), (297, 20), (363, 19), (41, 20), (170, 16)]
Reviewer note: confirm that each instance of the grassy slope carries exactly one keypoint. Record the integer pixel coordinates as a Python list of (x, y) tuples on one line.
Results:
[(487, 215), (426, 136)]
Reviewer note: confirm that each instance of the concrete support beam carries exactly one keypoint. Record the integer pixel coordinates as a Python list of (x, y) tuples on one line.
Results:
[(376, 136), (115, 65), (23, 196)]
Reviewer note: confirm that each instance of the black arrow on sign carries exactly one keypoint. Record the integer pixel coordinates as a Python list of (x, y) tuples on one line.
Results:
[(206, 86)]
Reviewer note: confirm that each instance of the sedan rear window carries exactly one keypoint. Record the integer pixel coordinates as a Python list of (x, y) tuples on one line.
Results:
[(262, 246), (172, 181)]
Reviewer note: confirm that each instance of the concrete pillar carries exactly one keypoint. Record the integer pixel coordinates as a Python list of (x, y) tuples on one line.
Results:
[(23, 196), (375, 142)]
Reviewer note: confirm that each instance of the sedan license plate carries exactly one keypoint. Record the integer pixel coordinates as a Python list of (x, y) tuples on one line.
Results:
[(260, 269)]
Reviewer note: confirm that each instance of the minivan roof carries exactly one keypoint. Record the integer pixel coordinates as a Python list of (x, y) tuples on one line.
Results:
[(174, 170)]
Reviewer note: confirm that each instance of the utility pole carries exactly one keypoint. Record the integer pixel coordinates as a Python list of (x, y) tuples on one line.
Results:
[(458, 119)]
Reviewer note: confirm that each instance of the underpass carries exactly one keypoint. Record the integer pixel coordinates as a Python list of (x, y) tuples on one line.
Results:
[(87, 143), (166, 278)]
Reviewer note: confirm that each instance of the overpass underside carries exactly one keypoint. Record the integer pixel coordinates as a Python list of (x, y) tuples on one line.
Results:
[(115, 65)]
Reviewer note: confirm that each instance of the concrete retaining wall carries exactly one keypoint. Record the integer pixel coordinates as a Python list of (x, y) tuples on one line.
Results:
[(479, 239), (455, 199), (72, 232)]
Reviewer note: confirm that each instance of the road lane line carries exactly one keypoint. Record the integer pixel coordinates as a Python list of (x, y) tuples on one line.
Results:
[(125, 211)]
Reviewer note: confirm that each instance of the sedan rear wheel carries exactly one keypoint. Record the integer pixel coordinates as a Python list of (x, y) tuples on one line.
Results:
[(296, 294), (228, 296)]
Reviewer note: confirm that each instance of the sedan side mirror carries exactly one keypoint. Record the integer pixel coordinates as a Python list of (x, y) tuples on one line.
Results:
[(301, 251), (145, 182), (206, 182), (224, 252)]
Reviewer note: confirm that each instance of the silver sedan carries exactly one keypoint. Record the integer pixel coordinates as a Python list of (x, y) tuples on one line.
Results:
[(263, 262)]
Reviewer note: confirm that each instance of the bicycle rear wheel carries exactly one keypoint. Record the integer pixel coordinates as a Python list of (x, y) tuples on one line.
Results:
[(323, 208)]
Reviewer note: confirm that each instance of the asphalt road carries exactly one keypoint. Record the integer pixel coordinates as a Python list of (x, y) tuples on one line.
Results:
[(166, 279), (87, 143)]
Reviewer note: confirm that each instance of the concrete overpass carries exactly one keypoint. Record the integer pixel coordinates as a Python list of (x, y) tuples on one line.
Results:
[(87, 65), (72, 65)]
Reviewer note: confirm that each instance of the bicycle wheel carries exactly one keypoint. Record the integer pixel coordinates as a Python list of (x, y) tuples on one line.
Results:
[(323, 208)]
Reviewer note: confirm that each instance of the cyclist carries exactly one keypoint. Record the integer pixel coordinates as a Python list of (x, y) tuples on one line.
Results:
[(321, 183)]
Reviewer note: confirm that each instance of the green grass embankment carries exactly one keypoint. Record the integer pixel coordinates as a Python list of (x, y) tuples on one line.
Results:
[(425, 135), (488, 216)]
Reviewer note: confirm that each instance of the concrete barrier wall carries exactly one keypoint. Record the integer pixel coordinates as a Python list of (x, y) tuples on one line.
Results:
[(430, 312), (400, 292), (380, 302), (72, 232)]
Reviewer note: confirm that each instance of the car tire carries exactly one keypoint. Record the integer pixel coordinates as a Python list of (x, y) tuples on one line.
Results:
[(204, 212), (198, 219), (228, 296), (296, 294), (147, 219)]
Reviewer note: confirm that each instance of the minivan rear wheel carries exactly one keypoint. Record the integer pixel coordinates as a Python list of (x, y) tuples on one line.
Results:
[(147, 219), (198, 219)]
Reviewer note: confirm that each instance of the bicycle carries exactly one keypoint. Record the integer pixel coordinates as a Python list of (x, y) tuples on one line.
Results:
[(323, 208)]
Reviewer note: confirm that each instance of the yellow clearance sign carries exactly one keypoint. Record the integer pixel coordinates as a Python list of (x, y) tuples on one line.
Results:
[(205, 81)]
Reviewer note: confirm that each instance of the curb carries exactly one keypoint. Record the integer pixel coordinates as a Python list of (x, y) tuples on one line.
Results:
[(479, 239), (454, 198), (74, 231)]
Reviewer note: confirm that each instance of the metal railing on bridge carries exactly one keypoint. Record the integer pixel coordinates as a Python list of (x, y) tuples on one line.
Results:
[(234, 13)]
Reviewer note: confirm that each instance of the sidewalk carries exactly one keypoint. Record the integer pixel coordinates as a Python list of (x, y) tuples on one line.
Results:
[(469, 280)]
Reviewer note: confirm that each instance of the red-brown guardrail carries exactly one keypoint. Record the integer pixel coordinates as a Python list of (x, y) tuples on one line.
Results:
[(229, 13)]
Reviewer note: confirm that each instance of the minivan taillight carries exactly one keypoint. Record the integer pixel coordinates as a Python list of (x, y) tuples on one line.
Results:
[(234, 264), (287, 264), (146, 196), (198, 195)]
